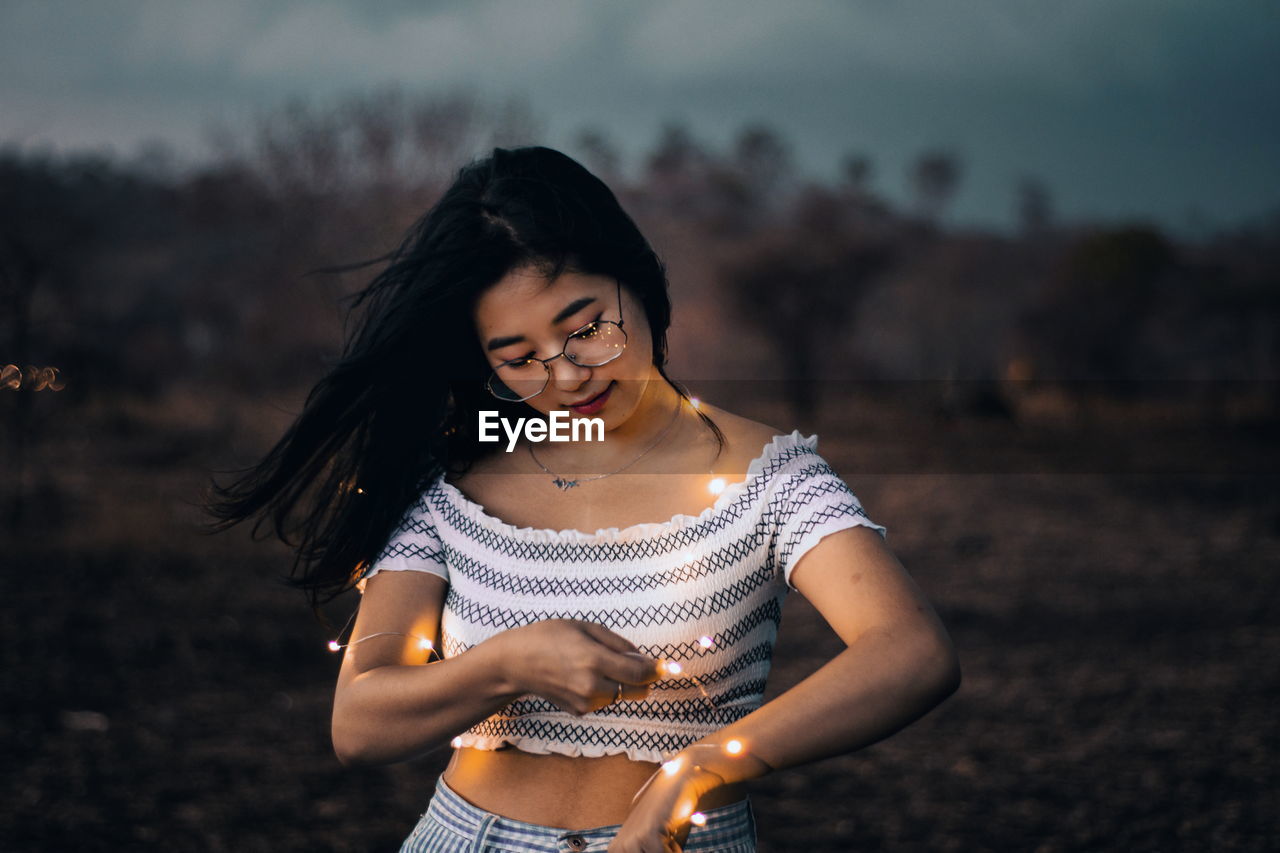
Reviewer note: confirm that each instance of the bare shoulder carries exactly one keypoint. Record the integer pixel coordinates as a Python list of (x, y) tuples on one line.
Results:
[(745, 438)]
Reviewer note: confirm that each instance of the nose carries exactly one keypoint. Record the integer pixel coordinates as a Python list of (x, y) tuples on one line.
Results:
[(565, 374)]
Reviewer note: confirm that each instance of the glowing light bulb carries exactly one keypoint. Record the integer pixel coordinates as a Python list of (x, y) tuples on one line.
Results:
[(706, 642), (456, 743), (672, 767), (334, 646), (359, 491), (698, 819), (672, 667), (716, 486), (733, 747), (424, 643)]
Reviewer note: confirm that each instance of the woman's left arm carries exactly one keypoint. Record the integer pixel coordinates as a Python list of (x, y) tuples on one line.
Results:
[(898, 664)]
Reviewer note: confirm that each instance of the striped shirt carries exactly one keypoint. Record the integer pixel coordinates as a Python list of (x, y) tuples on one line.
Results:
[(704, 591)]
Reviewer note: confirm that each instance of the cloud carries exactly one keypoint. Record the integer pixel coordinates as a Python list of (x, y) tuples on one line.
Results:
[(486, 42), (1081, 92), (1074, 47), (191, 32)]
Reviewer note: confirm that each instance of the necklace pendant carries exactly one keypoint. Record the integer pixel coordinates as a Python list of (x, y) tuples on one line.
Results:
[(564, 484)]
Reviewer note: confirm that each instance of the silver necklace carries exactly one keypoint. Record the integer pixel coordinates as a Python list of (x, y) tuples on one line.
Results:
[(565, 484)]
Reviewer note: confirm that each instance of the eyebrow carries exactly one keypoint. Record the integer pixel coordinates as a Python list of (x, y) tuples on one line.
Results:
[(569, 310)]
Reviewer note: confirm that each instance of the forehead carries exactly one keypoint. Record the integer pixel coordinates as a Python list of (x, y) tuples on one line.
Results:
[(524, 298)]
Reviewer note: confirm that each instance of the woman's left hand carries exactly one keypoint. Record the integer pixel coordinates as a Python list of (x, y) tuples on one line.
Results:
[(659, 820)]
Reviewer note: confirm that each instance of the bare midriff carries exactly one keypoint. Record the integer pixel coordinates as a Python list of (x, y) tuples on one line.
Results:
[(561, 791)]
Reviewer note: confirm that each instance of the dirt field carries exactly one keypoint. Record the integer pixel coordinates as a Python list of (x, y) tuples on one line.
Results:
[(1116, 617)]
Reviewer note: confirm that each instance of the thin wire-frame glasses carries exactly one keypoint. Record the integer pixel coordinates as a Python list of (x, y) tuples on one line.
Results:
[(597, 343)]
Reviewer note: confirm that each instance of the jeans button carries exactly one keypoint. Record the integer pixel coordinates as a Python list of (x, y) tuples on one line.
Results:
[(576, 842)]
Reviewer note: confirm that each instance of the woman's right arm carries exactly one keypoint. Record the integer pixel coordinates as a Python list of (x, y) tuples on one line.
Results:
[(396, 700), (388, 706)]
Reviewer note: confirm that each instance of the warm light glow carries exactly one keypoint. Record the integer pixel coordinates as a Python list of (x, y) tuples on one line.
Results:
[(698, 819), (334, 646), (672, 667), (716, 486), (706, 642), (456, 743), (424, 643), (733, 747), (359, 491), (695, 402), (672, 767), (30, 377)]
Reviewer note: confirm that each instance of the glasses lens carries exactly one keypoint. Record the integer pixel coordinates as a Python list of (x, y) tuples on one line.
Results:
[(518, 381), (598, 344)]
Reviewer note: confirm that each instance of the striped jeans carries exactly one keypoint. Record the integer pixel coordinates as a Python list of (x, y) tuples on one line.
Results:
[(453, 825)]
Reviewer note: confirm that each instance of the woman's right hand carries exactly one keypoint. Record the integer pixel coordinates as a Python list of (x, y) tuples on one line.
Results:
[(576, 665)]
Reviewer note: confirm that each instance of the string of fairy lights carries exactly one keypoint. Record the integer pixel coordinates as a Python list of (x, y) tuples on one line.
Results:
[(733, 748)]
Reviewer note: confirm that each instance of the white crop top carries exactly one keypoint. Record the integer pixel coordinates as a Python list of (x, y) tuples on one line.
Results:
[(722, 575)]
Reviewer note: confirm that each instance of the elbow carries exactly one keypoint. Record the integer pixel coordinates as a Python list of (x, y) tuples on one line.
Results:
[(943, 670), (357, 742), (352, 751), (347, 748), (351, 744)]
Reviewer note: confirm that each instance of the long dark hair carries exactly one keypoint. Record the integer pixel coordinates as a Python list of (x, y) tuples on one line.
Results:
[(399, 406)]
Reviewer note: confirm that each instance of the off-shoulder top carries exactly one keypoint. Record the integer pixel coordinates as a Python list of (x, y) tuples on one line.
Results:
[(705, 591)]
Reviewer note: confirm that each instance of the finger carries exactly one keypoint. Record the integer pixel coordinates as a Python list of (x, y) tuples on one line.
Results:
[(623, 661), (609, 638), (630, 692), (630, 667), (635, 692)]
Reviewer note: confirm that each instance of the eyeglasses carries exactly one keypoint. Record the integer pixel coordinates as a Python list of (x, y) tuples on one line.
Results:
[(595, 344)]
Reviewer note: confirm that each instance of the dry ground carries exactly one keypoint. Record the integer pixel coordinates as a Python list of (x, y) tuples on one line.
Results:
[(1117, 628)]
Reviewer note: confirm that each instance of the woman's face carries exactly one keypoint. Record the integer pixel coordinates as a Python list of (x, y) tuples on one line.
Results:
[(521, 317)]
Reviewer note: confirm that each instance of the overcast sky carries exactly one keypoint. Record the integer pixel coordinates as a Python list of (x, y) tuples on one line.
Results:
[(1125, 108)]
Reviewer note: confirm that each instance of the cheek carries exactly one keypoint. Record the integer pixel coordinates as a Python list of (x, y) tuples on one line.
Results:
[(639, 352)]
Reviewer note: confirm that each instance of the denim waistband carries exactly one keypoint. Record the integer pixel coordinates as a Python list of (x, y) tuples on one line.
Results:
[(728, 827)]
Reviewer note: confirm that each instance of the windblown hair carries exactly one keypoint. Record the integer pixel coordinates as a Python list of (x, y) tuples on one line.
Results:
[(399, 406)]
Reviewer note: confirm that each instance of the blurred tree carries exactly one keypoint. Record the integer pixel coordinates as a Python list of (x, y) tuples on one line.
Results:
[(856, 172), (676, 170), (934, 177), (749, 188), (365, 141), (600, 155), (763, 159), (1034, 207), (1085, 324), (801, 285)]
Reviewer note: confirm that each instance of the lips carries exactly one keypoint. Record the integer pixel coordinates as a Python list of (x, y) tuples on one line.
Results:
[(593, 403)]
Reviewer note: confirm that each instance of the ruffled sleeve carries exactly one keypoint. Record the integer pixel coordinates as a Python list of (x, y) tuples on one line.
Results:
[(414, 546), (808, 502)]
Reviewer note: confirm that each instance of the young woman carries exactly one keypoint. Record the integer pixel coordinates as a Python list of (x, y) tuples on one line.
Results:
[(588, 623)]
